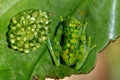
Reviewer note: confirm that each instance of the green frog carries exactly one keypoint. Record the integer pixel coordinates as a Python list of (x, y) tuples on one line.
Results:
[(70, 43)]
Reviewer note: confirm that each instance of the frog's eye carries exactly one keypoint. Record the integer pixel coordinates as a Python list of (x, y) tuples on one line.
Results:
[(28, 30)]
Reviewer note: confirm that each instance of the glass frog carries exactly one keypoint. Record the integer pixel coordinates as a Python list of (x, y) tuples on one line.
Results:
[(70, 43)]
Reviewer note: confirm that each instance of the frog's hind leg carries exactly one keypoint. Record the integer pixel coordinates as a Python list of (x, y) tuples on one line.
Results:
[(81, 53), (84, 49), (54, 46)]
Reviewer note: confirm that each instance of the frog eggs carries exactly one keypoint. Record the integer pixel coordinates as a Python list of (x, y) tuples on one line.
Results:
[(28, 30)]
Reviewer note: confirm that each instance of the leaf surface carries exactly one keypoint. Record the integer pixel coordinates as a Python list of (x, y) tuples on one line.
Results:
[(103, 26)]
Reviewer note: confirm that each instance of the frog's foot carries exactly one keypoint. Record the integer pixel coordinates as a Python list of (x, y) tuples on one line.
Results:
[(89, 48)]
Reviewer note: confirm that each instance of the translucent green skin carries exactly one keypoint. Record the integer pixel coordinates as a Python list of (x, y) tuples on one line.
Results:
[(73, 46)]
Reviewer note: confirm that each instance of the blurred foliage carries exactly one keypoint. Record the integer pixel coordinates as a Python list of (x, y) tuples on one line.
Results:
[(112, 54)]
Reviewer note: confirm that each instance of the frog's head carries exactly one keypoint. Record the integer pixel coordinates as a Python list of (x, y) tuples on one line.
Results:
[(71, 22)]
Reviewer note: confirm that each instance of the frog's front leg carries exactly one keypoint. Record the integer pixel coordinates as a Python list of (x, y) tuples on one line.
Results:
[(84, 48), (54, 46)]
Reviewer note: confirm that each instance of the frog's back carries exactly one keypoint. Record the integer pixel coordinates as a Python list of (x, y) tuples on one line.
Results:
[(71, 35)]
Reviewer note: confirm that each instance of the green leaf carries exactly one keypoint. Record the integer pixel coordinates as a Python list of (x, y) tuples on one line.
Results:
[(103, 25)]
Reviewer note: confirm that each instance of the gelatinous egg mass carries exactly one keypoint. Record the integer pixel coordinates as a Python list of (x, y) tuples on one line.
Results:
[(28, 30)]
